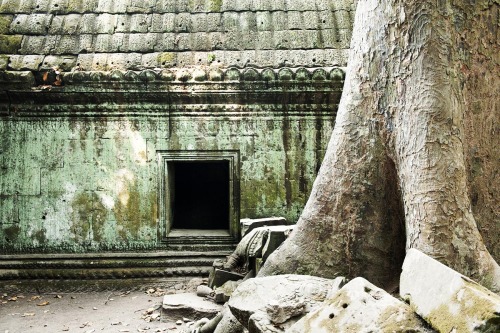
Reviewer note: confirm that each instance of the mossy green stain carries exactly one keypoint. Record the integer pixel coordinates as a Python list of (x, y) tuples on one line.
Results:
[(319, 43), (215, 5), (88, 212), (12, 233), (409, 323), (40, 236), (166, 58), (10, 43), (153, 208), (99, 217), (82, 207), (471, 307), (9, 6), (5, 21), (74, 6), (4, 61), (128, 213)]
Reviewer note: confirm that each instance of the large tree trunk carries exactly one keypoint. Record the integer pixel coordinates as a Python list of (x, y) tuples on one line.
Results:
[(394, 175)]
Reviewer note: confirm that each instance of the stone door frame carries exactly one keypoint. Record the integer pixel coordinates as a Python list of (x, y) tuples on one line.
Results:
[(164, 210)]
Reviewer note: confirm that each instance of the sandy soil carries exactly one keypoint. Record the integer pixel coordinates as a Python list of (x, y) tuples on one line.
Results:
[(86, 312)]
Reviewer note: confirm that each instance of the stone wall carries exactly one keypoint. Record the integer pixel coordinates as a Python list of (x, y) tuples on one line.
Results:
[(80, 163), (93, 93)]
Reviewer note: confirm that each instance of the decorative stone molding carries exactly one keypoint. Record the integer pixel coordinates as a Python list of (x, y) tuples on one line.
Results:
[(201, 91), (208, 74), (20, 79)]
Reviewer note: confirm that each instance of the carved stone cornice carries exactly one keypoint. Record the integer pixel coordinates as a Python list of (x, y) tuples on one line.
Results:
[(193, 91)]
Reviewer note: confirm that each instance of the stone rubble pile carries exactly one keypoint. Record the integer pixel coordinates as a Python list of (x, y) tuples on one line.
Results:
[(434, 298)]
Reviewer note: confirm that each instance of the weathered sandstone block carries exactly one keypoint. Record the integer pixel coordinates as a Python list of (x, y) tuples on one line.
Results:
[(449, 301), (361, 307)]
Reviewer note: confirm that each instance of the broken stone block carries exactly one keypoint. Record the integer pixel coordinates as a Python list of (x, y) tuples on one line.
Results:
[(188, 305), (218, 263), (248, 225), (220, 276), (250, 248), (255, 294), (251, 245), (220, 297), (360, 306), (449, 301), (280, 310), (260, 322), (199, 324), (203, 291), (224, 292), (276, 236)]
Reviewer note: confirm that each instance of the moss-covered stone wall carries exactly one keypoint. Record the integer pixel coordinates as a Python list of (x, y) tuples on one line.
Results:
[(78, 185), (91, 92), (74, 182)]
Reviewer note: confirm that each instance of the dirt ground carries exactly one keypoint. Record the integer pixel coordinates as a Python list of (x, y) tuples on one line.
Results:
[(87, 310)]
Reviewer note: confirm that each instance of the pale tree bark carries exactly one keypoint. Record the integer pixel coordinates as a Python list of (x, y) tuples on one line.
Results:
[(394, 174)]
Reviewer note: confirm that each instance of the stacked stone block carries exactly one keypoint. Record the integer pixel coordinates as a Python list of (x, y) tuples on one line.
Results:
[(172, 33)]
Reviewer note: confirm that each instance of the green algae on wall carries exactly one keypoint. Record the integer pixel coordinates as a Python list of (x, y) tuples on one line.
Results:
[(5, 21), (93, 183), (215, 5), (10, 43), (89, 185)]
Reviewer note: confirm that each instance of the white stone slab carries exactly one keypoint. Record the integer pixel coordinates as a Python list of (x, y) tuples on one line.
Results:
[(449, 301)]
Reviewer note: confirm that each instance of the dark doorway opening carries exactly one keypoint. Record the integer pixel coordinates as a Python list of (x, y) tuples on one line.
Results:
[(200, 195)]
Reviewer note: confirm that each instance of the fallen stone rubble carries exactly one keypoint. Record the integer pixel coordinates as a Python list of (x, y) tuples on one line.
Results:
[(434, 298), (360, 306)]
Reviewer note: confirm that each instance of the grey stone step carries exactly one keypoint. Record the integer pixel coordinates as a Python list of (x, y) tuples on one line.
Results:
[(103, 273), (201, 239), (200, 243), (202, 247), (108, 265), (106, 255), (167, 259)]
